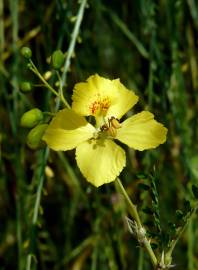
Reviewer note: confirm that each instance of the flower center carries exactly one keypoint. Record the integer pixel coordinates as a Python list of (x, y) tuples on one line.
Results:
[(100, 106)]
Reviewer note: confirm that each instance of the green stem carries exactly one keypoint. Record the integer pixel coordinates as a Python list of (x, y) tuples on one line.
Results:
[(44, 157), (73, 41), (2, 39), (179, 233), (61, 91), (141, 260), (34, 69), (125, 30), (49, 114), (40, 186), (14, 115), (132, 208), (190, 246), (134, 214)]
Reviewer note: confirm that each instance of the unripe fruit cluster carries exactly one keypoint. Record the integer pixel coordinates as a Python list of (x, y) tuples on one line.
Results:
[(33, 119)]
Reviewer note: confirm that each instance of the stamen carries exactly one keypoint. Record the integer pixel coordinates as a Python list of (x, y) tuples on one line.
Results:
[(100, 105)]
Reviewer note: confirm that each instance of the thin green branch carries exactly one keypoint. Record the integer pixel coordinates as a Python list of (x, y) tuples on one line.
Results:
[(72, 44), (140, 229), (61, 91), (34, 69), (141, 260), (132, 208), (40, 186), (44, 158), (13, 5), (180, 232), (190, 253), (2, 38), (123, 27)]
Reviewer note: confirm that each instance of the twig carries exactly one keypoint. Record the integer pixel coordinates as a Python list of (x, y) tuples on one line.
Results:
[(139, 230), (38, 200), (73, 41)]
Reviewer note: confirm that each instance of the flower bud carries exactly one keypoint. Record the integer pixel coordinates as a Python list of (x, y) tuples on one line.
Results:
[(25, 86), (26, 52), (34, 137), (31, 118), (57, 59)]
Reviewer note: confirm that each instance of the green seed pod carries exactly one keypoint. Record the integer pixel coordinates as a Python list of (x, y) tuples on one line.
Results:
[(31, 118), (25, 86), (34, 137), (26, 52), (57, 59)]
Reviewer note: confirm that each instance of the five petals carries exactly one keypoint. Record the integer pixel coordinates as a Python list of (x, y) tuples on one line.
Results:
[(103, 99)]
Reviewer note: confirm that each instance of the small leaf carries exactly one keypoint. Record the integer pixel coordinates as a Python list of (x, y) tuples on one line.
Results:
[(187, 206), (141, 176), (165, 237), (149, 223), (143, 186), (195, 191), (154, 246), (154, 197), (147, 210), (194, 166), (172, 227), (179, 214), (152, 234)]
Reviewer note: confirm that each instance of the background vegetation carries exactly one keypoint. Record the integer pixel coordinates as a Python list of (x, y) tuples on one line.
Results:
[(152, 47)]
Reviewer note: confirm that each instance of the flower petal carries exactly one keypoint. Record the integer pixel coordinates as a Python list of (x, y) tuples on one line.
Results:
[(100, 161), (99, 96), (126, 99), (67, 119), (142, 132), (67, 130)]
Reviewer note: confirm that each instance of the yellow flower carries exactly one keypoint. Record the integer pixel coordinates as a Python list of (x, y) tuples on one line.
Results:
[(99, 158)]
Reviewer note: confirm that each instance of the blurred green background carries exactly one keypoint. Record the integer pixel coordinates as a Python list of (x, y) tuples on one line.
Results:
[(152, 46)]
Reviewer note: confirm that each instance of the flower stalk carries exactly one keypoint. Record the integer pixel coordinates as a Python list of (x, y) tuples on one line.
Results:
[(34, 69), (139, 229), (61, 91)]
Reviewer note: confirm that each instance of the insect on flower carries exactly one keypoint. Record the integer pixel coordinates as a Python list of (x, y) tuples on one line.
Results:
[(111, 127)]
